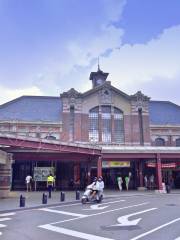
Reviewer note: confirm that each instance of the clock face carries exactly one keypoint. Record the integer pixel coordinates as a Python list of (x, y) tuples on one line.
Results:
[(99, 81)]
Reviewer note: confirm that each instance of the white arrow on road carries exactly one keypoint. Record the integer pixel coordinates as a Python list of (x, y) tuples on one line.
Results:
[(100, 207), (97, 207), (123, 221)]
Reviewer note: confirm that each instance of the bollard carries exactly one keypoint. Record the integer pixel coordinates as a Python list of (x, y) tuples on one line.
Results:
[(62, 196), (44, 198), (22, 201), (77, 195), (168, 189)]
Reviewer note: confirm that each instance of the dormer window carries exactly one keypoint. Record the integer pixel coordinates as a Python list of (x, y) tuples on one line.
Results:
[(106, 92)]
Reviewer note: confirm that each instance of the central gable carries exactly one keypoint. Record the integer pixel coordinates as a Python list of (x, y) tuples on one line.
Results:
[(106, 94)]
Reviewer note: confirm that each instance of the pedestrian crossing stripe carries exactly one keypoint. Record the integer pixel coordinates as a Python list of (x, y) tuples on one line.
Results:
[(5, 219), (7, 214), (2, 225)]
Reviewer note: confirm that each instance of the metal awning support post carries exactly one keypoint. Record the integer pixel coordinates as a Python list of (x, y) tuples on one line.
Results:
[(99, 166), (158, 172), (140, 173)]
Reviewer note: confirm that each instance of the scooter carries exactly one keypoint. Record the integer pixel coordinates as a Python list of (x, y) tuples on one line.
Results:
[(88, 196)]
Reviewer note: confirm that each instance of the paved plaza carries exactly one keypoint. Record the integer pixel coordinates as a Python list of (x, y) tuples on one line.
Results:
[(128, 216)]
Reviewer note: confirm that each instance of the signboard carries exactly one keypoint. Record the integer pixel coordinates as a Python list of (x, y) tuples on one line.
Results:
[(41, 173), (115, 164), (163, 165)]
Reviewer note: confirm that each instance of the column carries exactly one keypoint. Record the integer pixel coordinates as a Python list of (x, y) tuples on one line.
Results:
[(89, 172), (5, 175), (99, 167), (140, 173), (158, 172)]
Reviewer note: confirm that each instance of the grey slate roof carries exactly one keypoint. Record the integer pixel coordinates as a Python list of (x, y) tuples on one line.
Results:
[(32, 108), (49, 109), (164, 112)]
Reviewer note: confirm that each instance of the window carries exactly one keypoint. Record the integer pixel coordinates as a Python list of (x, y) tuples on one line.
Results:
[(159, 142), (118, 126), (112, 125), (106, 124), (141, 126), (71, 124), (178, 142), (94, 125), (50, 137)]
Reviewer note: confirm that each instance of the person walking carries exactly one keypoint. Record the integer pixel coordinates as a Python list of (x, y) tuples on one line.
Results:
[(127, 182), (151, 181), (28, 183), (50, 184), (145, 181), (119, 181)]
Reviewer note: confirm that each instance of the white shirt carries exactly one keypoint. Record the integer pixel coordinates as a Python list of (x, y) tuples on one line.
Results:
[(101, 185), (28, 179)]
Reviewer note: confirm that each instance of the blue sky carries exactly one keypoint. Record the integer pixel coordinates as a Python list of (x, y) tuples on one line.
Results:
[(47, 47)]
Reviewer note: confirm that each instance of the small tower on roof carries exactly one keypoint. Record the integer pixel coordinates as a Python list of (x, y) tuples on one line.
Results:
[(99, 77)]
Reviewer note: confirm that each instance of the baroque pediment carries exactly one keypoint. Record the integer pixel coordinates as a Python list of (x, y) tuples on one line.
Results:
[(105, 91), (72, 93)]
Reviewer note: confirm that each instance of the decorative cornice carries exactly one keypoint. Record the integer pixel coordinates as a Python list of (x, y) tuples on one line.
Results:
[(139, 96), (72, 93)]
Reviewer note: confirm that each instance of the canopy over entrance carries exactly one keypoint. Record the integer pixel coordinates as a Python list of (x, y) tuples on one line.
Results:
[(11, 143)]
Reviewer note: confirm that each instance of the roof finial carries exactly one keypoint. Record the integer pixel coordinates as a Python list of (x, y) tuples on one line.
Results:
[(98, 65)]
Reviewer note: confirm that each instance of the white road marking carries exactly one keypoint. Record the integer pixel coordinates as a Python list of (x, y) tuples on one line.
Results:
[(116, 209), (62, 212), (123, 221), (7, 214), (2, 225), (95, 214), (98, 206), (4, 219), (177, 238), (66, 205), (73, 233), (156, 229)]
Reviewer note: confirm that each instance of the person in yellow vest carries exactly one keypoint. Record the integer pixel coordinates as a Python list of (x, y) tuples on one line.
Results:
[(50, 184)]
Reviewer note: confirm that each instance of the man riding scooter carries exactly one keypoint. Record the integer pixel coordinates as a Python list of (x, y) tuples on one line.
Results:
[(92, 192), (100, 188)]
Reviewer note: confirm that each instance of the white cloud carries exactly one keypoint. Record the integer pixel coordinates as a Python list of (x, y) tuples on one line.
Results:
[(83, 53), (131, 66), (10, 94)]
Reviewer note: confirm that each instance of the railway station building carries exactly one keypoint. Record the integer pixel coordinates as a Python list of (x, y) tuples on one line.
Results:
[(77, 136)]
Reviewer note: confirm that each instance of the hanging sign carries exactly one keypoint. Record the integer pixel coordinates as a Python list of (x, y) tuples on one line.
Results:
[(163, 165), (114, 164)]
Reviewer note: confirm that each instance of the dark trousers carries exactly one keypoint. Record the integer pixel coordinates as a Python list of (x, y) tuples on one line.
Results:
[(50, 190)]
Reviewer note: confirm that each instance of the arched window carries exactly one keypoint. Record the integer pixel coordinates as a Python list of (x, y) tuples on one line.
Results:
[(118, 126), (159, 142), (106, 124), (94, 125), (50, 137), (178, 142), (110, 128)]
